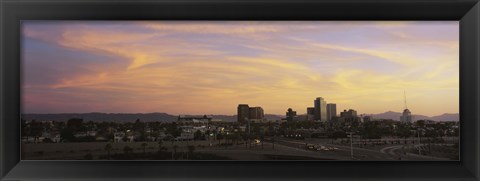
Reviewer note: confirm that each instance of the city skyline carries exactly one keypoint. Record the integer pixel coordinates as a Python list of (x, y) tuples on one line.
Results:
[(210, 67)]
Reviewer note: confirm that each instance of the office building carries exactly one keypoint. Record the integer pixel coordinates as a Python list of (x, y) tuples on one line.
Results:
[(320, 109), (256, 113), (243, 113), (331, 111), (350, 117), (348, 114), (406, 116), (310, 113)]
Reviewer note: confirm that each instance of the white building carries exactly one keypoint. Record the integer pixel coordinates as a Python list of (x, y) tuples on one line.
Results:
[(406, 116)]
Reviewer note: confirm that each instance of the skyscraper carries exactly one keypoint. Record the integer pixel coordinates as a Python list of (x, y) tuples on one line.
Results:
[(331, 111), (320, 109), (255, 113), (243, 113), (406, 115)]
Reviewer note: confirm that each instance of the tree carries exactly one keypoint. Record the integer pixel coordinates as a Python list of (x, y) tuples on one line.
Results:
[(191, 149), (144, 145), (198, 135), (169, 138), (88, 156), (371, 130), (139, 127), (75, 124), (36, 128), (338, 134), (235, 137), (403, 131), (173, 129), (127, 150), (25, 131), (208, 134), (67, 135), (219, 137), (160, 145), (108, 148), (174, 153)]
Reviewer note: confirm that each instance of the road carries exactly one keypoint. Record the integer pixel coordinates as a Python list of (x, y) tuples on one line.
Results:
[(283, 148), (396, 151), (343, 151)]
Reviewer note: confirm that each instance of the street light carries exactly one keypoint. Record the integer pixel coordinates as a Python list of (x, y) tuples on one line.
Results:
[(419, 142), (351, 144)]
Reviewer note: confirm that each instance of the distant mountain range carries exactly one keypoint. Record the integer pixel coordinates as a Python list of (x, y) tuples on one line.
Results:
[(232, 118), (396, 116), (149, 117), (125, 117), (119, 117)]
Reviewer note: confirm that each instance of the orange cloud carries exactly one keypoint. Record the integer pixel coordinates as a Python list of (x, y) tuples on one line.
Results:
[(210, 67)]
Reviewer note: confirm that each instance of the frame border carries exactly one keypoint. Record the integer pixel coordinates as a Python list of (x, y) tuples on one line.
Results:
[(13, 11)]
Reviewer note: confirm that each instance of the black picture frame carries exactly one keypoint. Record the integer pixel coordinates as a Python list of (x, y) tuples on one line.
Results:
[(12, 12)]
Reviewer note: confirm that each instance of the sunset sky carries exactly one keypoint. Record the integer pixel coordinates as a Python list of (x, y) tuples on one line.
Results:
[(209, 67)]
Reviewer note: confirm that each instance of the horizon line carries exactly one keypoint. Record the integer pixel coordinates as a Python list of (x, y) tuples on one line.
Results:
[(216, 114)]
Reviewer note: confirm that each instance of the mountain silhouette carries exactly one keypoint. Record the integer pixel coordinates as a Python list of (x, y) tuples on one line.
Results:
[(125, 117), (164, 117), (396, 116)]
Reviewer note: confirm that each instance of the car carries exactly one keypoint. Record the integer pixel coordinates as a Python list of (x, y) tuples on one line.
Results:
[(320, 147), (332, 148)]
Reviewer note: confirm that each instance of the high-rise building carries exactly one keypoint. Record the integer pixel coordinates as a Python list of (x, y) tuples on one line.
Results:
[(331, 111), (291, 114), (256, 113), (320, 109), (350, 117), (406, 116), (310, 113), (243, 113)]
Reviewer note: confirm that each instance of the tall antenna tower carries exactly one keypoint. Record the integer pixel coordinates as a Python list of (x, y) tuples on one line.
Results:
[(405, 99)]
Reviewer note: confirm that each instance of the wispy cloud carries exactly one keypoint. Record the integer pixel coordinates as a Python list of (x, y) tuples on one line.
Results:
[(209, 67)]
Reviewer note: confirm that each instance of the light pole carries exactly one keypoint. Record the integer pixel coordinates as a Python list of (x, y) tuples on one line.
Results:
[(351, 144), (249, 139), (273, 139), (419, 142)]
